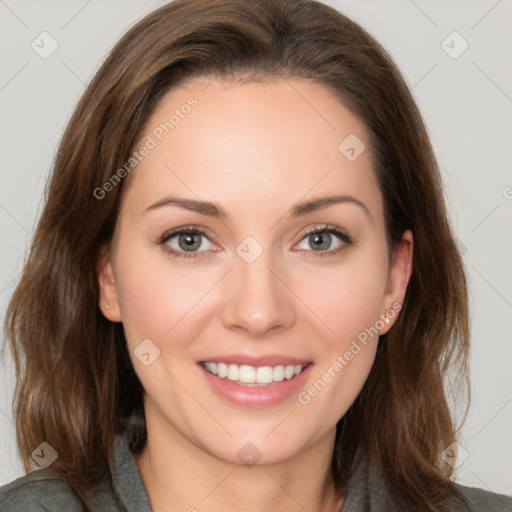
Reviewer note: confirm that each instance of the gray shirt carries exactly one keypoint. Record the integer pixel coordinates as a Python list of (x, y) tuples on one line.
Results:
[(41, 491)]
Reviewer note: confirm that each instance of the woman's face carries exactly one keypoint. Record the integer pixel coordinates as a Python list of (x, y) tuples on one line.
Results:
[(280, 266)]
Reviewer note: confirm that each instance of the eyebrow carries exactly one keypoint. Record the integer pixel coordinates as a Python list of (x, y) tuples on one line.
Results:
[(213, 210)]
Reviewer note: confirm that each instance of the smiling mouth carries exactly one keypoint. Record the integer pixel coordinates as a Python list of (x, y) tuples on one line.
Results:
[(253, 376)]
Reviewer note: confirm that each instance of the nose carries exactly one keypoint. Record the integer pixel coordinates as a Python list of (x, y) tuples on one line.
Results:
[(257, 299)]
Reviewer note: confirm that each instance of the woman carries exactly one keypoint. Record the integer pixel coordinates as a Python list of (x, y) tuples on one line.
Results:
[(243, 291)]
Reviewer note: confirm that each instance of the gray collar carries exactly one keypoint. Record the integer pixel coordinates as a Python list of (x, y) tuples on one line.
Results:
[(364, 491), (127, 479)]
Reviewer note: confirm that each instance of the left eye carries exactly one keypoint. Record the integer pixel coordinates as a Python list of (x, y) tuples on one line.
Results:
[(324, 240)]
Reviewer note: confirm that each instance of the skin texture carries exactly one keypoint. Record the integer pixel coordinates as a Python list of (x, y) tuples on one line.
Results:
[(256, 150)]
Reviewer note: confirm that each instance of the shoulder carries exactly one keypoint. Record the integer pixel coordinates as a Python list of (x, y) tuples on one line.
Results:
[(485, 501), (39, 491)]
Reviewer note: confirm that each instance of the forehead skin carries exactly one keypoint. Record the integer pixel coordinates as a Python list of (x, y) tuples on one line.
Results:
[(261, 147)]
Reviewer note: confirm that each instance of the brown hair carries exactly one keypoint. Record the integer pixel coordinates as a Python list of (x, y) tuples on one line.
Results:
[(75, 382)]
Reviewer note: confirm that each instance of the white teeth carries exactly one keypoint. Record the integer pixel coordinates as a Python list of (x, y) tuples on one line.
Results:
[(222, 370), (278, 373), (233, 372), (289, 371), (246, 374), (264, 375)]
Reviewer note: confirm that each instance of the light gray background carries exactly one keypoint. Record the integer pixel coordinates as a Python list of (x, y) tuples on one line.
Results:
[(466, 102)]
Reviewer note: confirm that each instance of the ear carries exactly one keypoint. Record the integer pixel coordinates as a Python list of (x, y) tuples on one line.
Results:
[(398, 279), (109, 302)]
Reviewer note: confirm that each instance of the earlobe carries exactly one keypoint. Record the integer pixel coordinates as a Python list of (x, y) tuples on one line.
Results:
[(399, 275), (108, 303)]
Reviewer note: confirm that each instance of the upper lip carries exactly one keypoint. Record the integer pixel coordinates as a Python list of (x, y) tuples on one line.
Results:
[(268, 360)]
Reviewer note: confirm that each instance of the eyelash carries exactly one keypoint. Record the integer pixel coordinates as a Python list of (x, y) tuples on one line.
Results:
[(196, 230)]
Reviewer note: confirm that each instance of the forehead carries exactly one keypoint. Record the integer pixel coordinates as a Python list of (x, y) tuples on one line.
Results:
[(265, 142)]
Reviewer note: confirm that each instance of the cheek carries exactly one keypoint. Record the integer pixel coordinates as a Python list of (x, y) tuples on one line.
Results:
[(347, 299), (155, 293)]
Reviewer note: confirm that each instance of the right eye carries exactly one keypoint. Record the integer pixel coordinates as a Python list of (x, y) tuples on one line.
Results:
[(186, 243)]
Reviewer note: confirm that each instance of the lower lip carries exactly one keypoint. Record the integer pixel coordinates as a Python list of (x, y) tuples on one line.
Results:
[(256, 396)]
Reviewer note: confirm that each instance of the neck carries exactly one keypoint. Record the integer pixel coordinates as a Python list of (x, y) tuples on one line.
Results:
[(179, 476)]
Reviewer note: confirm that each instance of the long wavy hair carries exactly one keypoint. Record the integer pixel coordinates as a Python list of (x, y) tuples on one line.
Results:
[(76, 387)]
